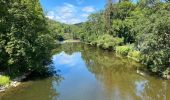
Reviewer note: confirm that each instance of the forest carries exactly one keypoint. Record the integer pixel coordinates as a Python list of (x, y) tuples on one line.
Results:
[(139, 30)]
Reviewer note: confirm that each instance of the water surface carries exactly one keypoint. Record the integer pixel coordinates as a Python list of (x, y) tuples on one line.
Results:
[(89, 73)]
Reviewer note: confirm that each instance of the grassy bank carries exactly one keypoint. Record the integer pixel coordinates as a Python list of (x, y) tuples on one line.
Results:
[(4, 80)]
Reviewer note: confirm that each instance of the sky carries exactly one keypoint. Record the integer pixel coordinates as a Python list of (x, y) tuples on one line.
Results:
[(71, 11)]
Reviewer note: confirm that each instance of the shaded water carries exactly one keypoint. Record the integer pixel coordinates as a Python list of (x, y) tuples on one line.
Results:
[(91, 74)]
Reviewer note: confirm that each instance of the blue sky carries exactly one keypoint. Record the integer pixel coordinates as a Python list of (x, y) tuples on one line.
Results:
[(71, 11)]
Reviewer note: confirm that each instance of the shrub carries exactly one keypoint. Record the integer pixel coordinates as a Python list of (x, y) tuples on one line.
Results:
[(4, 80), (153, 42), (108, 42), (134, 55), (123, 50)]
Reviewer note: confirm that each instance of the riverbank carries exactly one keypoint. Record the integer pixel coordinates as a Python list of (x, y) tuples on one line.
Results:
[(71, 41), (93, 70), (13, 83), (129, 52)]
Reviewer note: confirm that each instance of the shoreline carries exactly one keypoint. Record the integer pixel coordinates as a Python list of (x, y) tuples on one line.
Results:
[(139, 72), (14, 83), (70, 41)]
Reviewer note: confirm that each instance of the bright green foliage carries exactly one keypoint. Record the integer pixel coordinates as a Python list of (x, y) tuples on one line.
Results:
[(123, 50), (4, 80), (136, 55), (122, 10), (108, 42), (56, 29), (63, 31), (93, 28)]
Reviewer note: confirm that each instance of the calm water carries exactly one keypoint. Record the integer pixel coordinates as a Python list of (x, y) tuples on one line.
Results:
[(91, 74)]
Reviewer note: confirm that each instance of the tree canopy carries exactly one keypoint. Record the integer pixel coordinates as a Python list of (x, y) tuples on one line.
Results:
[(144, 26)]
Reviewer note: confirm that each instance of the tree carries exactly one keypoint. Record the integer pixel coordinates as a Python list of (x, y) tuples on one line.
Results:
[(107, 16), (24, 41), (4, 28)]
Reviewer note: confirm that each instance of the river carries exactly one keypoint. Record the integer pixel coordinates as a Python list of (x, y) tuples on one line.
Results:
[(88, 73)]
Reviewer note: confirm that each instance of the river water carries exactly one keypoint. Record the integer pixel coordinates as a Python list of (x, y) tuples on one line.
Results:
[(88, 73)]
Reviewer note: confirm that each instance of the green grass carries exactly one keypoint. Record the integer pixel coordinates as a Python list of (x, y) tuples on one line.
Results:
[(4, 80)]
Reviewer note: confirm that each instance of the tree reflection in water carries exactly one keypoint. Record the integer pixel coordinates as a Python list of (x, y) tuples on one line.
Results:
[(92, 74)]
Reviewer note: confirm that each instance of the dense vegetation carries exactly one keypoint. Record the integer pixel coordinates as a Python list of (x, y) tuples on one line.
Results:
[(138, 30), (60, 31), (25, 39)]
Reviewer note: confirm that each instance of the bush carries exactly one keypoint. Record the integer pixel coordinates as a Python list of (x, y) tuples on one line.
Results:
[(4, 80), (108, 42), (123, 50), (153, 42), (134, 55)]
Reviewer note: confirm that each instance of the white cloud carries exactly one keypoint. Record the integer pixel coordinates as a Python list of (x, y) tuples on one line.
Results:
[(65, 59), (70, 14), (75, 20), (88, 9), (85, 15), (65, 14)]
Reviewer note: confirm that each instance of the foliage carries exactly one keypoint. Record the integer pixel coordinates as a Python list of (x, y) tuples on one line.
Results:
[(166, 73), (134, 54), (145, 24), (155, 46), (56, 29), (123, 29), (123, 50), (107, 16), (27, 37), (108, 42), (24, 40), (4, 80)]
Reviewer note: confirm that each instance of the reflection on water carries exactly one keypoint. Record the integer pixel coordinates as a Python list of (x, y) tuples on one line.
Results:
[(92, 74)]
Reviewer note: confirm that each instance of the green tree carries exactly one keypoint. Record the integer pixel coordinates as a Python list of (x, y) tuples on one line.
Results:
[(25, 42), (107, 16)]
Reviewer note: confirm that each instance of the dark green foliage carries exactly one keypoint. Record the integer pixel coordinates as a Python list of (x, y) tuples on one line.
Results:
[(123, 29), (25, 44), (156, 46)]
